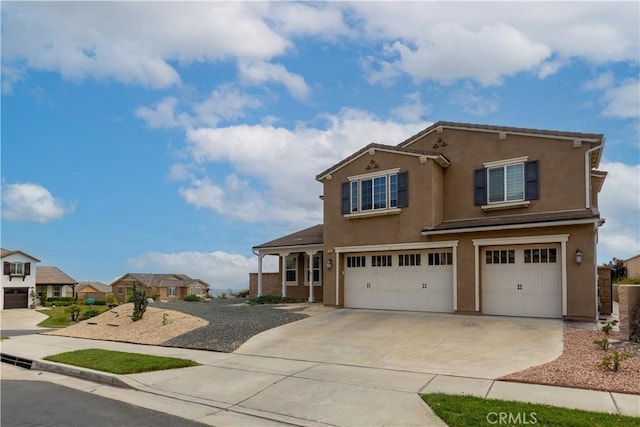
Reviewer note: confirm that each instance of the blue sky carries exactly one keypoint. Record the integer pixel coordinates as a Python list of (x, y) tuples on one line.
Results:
[(173, 137)]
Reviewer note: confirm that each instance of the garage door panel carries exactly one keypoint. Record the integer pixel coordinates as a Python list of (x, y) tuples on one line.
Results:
[(524, 282), (413, 285)]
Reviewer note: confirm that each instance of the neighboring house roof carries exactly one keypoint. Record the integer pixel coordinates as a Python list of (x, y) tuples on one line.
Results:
[(163, 280), (588, 137), (53, 276), (308, 236), (97, 286), (438, 157), (584, 215), (632, 258), (7, 252)]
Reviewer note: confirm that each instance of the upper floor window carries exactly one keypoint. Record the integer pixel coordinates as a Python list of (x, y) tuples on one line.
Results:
[(17, 268), (506, 182), (370, 193)]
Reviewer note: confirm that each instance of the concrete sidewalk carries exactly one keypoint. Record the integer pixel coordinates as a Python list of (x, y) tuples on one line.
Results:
[(247, 390)]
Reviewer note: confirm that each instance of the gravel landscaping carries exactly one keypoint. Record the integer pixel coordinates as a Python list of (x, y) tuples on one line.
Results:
[(231, 323), (578, 365)]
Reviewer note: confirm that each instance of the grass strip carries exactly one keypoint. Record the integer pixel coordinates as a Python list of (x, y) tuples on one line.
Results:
[(461, 411), (59, 317), (118, 362)]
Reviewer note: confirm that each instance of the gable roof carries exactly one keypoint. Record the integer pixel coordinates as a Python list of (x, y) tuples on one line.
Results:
[(544, 133), (308, 236), (7, 252), (53, 276), (98, 286), (438, 157), (161, 280)]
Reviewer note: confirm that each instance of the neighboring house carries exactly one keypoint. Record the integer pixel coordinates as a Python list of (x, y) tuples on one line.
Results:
[(463, 218), (633, 266), (97, 290), (51, 282), (159, 286), (18, 279)]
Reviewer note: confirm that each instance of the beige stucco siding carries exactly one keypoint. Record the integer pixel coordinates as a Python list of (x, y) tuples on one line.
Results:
[(561, 169)]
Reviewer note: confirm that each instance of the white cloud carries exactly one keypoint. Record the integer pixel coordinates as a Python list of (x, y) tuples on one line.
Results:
[(471, 103), (27, 202), (323, 20), (163, 114), (411, 110), (623, 101), (485, 42), (274, 167), (619, 204), (134, 42), (222, 270), (258, 72)]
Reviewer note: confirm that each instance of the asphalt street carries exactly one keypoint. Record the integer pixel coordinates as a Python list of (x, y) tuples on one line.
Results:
[(37, 403)]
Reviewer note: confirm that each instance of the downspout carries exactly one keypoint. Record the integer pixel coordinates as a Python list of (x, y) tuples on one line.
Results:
[(587, 194), (587, 172)]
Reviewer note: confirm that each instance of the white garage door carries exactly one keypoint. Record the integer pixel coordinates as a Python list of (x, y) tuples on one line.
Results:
[(522, 281), (416, 281)]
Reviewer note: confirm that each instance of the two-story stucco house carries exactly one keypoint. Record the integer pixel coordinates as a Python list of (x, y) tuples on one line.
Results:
[(18, 279), (459, 218)]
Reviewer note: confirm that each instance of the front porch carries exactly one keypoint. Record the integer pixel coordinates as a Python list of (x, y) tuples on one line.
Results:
[(300, 266)]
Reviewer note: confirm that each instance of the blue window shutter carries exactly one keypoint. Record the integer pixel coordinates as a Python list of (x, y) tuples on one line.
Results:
[(531, 181), (346, 199), (403, 190), (480, 187)]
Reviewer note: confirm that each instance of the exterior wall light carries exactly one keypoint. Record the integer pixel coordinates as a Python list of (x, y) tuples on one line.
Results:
[(578, 256), (329, 264)]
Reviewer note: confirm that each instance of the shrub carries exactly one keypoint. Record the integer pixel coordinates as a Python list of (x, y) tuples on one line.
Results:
[(270, 299), (242, 294), (603, 343), (607, 327), (635, 325), (223, 296), (60, 299), (90, 313), (613, 361), (635, 280), (191, 298), (111, 300), (74, 310)]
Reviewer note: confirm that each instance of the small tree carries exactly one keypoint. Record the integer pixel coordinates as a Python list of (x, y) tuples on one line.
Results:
[(139, 303), (75, 309), (618, 270)]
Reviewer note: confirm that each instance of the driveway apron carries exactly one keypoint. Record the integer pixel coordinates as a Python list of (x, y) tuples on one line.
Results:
[(470, 346)]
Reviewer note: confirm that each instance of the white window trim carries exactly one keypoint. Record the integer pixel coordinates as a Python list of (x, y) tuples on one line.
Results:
[(295, 269), (388, 209), (506, 205), (306, 270), (503, 204), (17, 263), (506, 162), (175, 291), (373, 174)]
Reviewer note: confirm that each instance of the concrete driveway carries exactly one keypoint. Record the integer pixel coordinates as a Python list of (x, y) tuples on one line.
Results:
[(470, 346), (20, 319)]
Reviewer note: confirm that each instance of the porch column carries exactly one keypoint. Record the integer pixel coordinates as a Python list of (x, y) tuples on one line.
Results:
[(284, 274), (310, 275), (260, 255)]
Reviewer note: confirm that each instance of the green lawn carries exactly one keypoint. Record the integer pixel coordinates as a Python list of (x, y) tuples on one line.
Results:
[(59, 317), (458, 411), (118, 362)]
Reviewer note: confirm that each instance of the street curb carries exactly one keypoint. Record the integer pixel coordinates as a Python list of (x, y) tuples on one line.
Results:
[(85, 374)]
